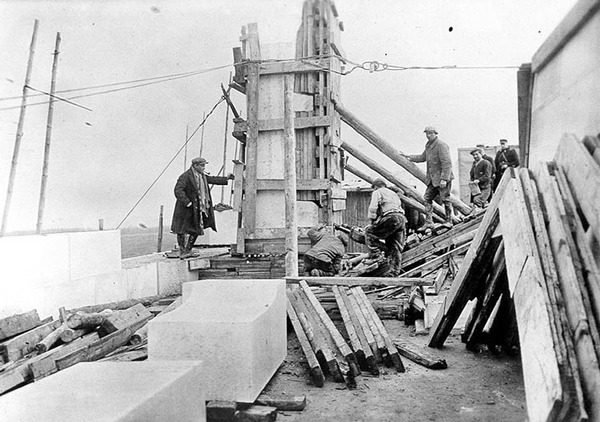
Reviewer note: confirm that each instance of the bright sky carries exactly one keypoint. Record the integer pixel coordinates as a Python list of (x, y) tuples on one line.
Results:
[(102, 161)]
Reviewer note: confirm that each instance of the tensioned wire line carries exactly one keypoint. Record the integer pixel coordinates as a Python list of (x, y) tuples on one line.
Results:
[(172, 159)]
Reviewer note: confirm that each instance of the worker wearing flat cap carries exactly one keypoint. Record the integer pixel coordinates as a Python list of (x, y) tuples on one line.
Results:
[(388, 224), (194, 207), (439, 174), (481, 179)]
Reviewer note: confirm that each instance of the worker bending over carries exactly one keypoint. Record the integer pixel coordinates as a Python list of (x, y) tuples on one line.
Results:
[(324, 258), (388, 224)]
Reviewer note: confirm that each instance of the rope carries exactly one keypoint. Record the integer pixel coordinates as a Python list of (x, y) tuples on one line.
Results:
[(171, 161)]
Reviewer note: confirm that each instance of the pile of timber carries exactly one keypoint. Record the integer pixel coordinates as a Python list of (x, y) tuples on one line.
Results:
[(263, 266), (361, 342), (532, 272), (32, 348)]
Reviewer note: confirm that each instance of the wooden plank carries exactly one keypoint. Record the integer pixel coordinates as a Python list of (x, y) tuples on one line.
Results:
[(591, 271), (301, 184), (546, 390), (256, 413), (282, 402), (99, 348), (364, 325), (583, 174), (466, 279), (335, 334), (524, 101), (316, 374), (289, 174), (360, 281), (238, 185), (17, 324), (370, 360), (250, 180), (350, 330), (137, 314), (45, 364), (437, 260), (265, 125), (391, 349), (566, 29), (23, 344), (592, 143), (381, 346), (419, 355), (316, 335), (122, 304)]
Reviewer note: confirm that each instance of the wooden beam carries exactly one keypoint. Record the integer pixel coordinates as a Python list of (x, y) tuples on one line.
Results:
[(583, 174), (277, 124), (437, 261), (282, 402), (416, 354), (524, 101), (301, 184), (24, 343), (360, 281), (289, 174), (566, 29), (468, 275), (391, 152), (17, 324)]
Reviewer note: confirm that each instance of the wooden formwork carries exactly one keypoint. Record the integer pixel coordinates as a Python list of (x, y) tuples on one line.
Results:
[(260, 183)]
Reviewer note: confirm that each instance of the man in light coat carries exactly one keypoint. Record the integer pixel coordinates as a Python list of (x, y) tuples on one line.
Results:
[(439, 174), (194, 207)]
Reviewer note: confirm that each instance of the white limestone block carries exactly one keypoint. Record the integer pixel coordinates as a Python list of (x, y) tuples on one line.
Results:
[(112, 392), (171, 274), (237, 327), (141, 281), (94, 252)]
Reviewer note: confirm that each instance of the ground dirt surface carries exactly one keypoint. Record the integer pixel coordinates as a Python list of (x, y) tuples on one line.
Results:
[(476, 386)]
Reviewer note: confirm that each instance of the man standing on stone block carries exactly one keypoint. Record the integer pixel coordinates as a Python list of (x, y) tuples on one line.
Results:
[(439, 174), (324, 258), (194, 210)]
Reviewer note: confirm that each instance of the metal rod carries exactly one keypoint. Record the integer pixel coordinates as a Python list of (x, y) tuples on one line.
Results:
[(160, 229)]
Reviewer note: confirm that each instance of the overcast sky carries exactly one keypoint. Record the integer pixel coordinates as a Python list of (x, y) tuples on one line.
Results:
[(102, 161)]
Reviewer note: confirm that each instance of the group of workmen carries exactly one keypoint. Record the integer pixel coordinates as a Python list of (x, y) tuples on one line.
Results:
[(194, 209)]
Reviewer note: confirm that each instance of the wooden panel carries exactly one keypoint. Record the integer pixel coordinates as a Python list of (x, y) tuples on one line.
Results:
[(583, 174), (304, 184)]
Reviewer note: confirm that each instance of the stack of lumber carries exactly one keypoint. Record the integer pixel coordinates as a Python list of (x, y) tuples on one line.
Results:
[(326, 350), (227, 267), (31, 349), (532, 272)]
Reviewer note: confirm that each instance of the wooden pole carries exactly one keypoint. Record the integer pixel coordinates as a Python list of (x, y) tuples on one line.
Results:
[(202, 135), (225, 147), (160, 229), (185, 165), (42, 203), (15, 159), (386, 148), (289, 140), (101, 224)]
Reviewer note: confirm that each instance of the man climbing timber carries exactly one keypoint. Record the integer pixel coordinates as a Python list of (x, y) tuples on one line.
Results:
[(387, 223), (194, 208), (439, 174)]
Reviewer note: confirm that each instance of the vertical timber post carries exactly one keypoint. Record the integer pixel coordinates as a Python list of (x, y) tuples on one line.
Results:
[(291, 223), (524, 98), (42, 202), (160, 229), (15, 159)]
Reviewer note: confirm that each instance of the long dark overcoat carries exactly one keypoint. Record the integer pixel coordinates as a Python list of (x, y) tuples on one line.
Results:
[(187, 219)]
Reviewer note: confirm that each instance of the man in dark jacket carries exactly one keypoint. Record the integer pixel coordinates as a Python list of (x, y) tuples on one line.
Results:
[(489, 160), (194, 207), (439, 174), (324, 258), (481, 176), (506, 157)]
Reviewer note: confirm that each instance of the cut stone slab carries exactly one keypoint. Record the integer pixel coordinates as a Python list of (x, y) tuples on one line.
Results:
[(237, 327), (112, 392)]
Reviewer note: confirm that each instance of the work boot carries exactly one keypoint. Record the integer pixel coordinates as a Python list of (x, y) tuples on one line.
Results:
[(428, 217), (448, 223), (181, 244)]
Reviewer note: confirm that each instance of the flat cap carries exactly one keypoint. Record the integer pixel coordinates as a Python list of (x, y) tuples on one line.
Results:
[(503, 141), (379, 182), (430, 129), (199, 160), (479, 150)]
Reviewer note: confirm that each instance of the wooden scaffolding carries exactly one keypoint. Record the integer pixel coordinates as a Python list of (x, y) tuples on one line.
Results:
[(260, 72)]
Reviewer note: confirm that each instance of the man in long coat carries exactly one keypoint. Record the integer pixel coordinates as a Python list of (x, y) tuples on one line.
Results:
[(439, 174), (194, 207)]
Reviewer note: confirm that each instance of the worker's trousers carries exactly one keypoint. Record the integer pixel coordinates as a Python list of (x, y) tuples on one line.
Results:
[(390, 228)]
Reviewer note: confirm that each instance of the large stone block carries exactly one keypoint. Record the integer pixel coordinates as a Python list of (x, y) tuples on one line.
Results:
[(94, 252), (237, 327), (112, 392)]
